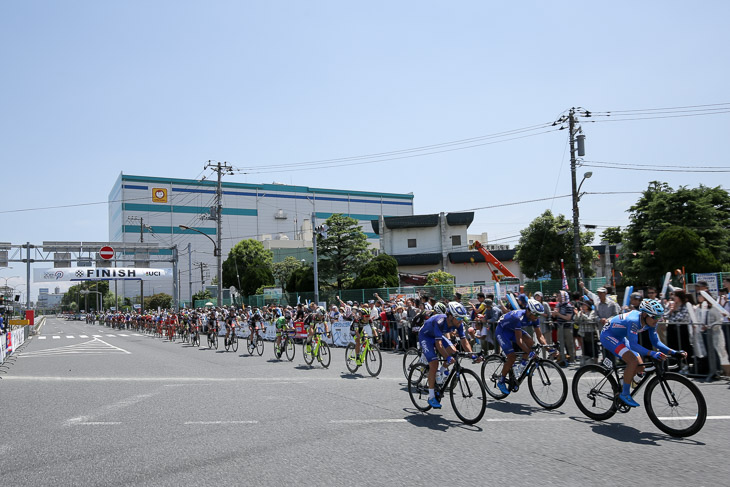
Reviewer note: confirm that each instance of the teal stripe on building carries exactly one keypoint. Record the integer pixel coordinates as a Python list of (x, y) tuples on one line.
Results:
[(168, 230), (186, 209)]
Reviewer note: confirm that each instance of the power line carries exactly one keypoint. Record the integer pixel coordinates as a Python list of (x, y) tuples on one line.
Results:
[(634, 164)]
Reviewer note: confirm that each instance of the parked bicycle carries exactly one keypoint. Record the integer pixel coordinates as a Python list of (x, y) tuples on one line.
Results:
[(545, 379), (673, 403), (369, 355), (466, 391)]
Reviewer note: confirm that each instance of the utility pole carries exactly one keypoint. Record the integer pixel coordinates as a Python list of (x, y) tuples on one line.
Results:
[(219, 168), (316, 230), (190, 275), (575, 186), (141, 240)]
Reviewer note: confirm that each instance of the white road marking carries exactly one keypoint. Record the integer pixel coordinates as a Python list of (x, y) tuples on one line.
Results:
[(69, 336), (221, 422), (121, 335), (42, 338), (83, 336), (686, 418), (113, 336), (94, 346), (124, 403), (358, 421), (97, 423), (56, 337)]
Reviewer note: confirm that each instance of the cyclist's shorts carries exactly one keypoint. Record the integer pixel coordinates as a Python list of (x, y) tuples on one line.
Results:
[(428, 347), (506, 340), (617, 346)]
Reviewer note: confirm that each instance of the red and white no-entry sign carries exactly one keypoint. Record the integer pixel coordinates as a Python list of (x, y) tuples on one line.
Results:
[(106, 253)]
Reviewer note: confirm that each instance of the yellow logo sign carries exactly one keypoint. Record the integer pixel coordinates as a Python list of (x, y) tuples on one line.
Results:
[(159, 195)]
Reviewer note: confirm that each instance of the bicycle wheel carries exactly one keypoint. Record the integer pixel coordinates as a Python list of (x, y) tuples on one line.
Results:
[(260, 345), (234, 342), (373, 360), (418, 387), (227, 343), (468, 397), (289, 348), (196, 340), (411, 357), (324, 354), (491, 373), (351, 358), (215, 340), (676, 406), (548, 384), (594, 391), (250, 345), (308, 352)]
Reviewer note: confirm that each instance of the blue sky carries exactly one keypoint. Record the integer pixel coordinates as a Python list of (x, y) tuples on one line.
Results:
[(91, 89)]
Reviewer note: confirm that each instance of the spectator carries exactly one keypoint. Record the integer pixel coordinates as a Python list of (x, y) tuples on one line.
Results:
[(492, 315), (678, 336), (545, 322), (563, 316), (713, 321), (587, 320)]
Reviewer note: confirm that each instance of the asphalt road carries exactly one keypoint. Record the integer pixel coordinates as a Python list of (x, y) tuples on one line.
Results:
[(82, 409)]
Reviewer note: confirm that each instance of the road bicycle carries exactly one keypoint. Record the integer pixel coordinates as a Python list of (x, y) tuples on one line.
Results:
[(411, 358), (231, 342), (466, 391), (673, 403), (255, 342), (369, 355), (195, 336), (170, 330), (545, 379), (286, 344), (318, 349), (213, 338)]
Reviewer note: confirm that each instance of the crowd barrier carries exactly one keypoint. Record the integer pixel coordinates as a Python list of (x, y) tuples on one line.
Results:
[(10, 341)]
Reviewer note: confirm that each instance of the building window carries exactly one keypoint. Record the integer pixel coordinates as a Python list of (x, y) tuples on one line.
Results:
[(455, 240), (411, 243)]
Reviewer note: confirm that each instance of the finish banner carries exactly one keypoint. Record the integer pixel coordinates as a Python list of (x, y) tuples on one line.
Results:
[(60, 274)]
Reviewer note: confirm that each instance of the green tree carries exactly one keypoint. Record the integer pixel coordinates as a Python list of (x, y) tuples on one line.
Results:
[(73, 293), (201, 295), (159, 300), (699, 220), (547, 240), (343, 252), (248, 267), (284, 269), (382, 271), (301, 280), (612, 235), (110, 300), (442, 284)]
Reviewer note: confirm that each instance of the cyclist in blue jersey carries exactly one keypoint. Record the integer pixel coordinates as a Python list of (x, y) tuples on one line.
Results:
[(510, 335), (433, 338), (620, 337)]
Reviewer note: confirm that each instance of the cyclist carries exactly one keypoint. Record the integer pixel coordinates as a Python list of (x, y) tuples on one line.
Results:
[(434, 341), (360, 319), (281, 326), (620, 335), (231, 323), (319, 315), (510, 333)]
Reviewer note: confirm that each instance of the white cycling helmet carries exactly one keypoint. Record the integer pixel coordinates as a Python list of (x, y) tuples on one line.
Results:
[(440, 309), (652, 307), (457, 309), (535, 307)]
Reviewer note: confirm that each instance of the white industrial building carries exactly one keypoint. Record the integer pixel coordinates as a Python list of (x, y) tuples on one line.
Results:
[(153, 208)]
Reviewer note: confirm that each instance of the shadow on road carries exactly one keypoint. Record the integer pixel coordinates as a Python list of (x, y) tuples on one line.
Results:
[(434, 421), (628, 434), (522, 409)]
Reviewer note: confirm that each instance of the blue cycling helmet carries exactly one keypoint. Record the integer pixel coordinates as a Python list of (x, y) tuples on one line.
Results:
[(652, 307), (535, 307)]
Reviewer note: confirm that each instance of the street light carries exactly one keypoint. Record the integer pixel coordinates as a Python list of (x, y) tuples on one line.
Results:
[(217, 254)]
